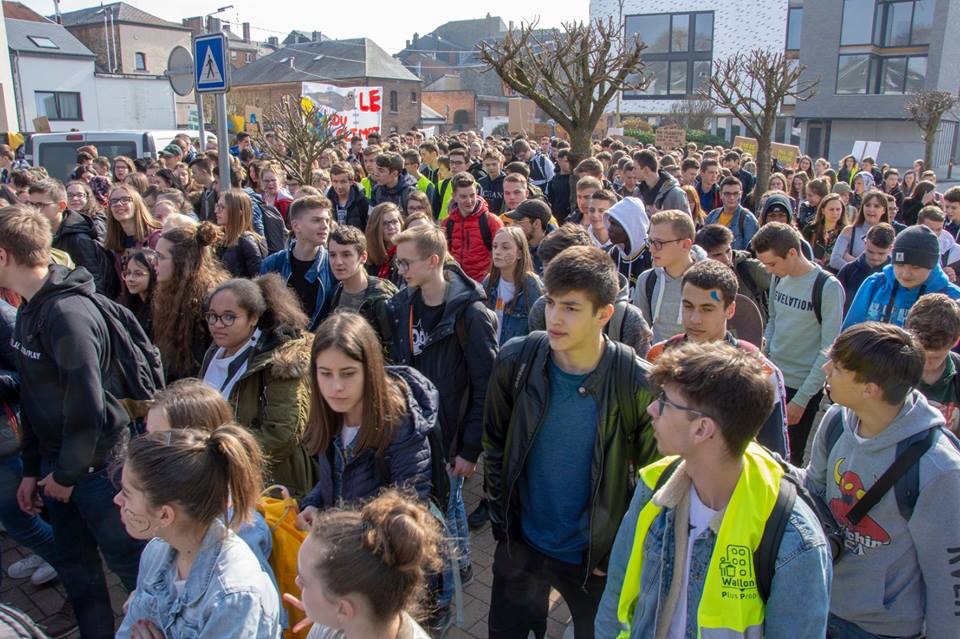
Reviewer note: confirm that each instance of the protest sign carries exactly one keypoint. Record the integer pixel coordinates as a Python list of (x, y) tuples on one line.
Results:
[(353, 110)]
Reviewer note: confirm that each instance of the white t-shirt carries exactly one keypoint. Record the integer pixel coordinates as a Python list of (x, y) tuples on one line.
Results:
[(505, 292), (700, 517), (219, 367), (348, 434)]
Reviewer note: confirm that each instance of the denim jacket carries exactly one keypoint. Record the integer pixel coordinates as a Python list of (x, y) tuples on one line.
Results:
[(515, 321), (280, 263), (799, 600), (227, 593), (741, 241)]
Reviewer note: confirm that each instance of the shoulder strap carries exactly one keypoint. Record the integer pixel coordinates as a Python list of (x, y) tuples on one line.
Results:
[(648, 287), (485, 231), (893, 297), (449, 231), (955, 357), (615, 326), (899, 468), (667, 473), (740, 223), (834, 430), (765, 557), (460, 326), (816, 300)]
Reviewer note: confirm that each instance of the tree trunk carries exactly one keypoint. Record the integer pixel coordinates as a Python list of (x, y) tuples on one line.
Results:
[(928, 151), (763, 168), (580, 142)]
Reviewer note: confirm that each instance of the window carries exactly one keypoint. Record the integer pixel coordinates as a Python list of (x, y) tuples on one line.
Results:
[(886, 23), (43, 43), (233, 54), (794, 25), (904, 74), (853, 72), (394, 102), (140, 61), (58, 105), (413, 97), (870, 74), (857, 27), (248, 57), (679, 52)]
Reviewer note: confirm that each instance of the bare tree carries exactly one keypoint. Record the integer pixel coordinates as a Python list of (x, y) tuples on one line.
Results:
[(927, 109), (752, 86), (571, 74), (301, 133), (691, 113)]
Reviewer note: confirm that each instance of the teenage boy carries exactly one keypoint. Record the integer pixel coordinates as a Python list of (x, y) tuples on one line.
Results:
[(201, 169), (877, 247), (935, 322), (72, 420), (951, 207), (731, 162), (429, 153), (559, 187), (896, 575), (533, 218), (932, 217), (74, 233), (514, 191), (440, 325), (370, 155), (741, 222), (888, 295), (708, 188), (491, 184), (600, 203), (357, 291), (709, 293), (555, 529), (585, 188), (752, 278), (393, 184), (348, 201), (627, 225), (689, 171), (801, 324), (304, 265), (716, 492), (657, 292), (470, 227), (541, 167), (657, 188), (411, 162)]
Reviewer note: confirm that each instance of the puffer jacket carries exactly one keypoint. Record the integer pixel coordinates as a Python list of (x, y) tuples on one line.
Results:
[(407, 457), (244, 258), (272, 399), (517, 400), (466, 241), (373, 308), (458, 362)]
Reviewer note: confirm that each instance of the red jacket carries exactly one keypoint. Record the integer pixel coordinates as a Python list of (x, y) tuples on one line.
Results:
[(465, 239)]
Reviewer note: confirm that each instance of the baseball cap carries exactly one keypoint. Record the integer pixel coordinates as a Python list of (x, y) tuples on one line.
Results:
[(172, 149), (533, 210)]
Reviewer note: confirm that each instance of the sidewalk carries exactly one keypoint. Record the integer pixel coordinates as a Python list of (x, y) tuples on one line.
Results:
[(43, 601)]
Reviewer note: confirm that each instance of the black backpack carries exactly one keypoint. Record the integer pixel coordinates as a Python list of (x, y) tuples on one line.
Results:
[(484, 231), (274, 230), (816, 299)]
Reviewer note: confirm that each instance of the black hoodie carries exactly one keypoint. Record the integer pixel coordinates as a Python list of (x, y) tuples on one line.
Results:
[(353, 211), (62, 345), (77, 236)]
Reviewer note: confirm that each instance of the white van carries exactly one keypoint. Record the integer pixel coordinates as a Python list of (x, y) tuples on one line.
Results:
[(57, 152)]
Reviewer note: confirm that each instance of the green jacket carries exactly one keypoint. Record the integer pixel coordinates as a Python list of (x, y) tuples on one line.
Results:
[(516, 402), (272, 399), (373, 306)]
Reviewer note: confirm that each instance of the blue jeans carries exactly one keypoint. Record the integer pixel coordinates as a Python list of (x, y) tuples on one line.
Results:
[(459, 532), (838, 628), (27, 530), (88, 522)]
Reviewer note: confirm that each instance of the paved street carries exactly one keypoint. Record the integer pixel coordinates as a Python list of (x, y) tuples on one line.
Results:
[(40, 602)]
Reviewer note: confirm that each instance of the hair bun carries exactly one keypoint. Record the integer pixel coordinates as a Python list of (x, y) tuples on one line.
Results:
[(401, 532), (207, 234)]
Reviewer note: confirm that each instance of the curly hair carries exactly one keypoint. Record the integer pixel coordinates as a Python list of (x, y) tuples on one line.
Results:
[(178, 303)]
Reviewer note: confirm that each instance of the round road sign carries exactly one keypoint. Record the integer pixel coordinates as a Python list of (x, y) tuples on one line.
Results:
[(180, 70)]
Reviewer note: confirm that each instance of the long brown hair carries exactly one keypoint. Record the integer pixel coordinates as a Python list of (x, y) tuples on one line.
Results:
[(145, 223), (696, 210), (870, 195), (522, 268), (383, 402), (178, 302), (820, 219), (189, 403), (376, 247), (239, 215)]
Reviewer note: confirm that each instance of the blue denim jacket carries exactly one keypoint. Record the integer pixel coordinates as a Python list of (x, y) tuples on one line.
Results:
[(516, 321), (799, 595), (227, 593), (280, 263)]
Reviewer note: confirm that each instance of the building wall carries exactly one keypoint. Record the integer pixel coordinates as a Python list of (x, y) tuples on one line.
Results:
[(901, 143), (447, 103), (8, 103), (407, 116), (155, 43), (738, 25), (45, 73), (135, 103)]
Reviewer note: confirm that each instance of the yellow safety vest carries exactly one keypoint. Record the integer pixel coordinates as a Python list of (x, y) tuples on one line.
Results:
[(367, 186), (731, 606), (445, 189)]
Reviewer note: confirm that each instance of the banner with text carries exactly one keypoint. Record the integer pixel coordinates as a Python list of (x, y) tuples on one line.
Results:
[(354, 110), (787, 154)]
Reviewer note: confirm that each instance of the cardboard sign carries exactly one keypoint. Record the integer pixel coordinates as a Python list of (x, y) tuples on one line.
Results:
[(352, 110), (520, 112), (669, 138), (251, 119), (786, 154), (41, 124)]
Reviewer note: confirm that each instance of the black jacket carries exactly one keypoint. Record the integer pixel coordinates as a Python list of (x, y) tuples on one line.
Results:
[(457, 361), (244, 258), (68, 416), (373, 307), (77, 236), (398, 194), (354, 212), (517, 400), (559, 190), (492, 191)]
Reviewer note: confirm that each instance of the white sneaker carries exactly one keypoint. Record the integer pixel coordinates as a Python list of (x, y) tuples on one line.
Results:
[(43, 574), (25, 567)]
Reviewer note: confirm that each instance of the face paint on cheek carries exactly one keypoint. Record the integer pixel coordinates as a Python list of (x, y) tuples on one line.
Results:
[(714, 296), (137, 523)]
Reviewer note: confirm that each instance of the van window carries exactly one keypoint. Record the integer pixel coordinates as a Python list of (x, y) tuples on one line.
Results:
[(60, 158)]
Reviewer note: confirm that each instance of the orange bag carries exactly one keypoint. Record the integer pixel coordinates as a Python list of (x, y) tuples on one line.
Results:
[(281, 516)]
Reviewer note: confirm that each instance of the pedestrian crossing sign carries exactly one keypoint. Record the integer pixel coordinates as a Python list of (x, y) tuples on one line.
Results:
[(212, 72)]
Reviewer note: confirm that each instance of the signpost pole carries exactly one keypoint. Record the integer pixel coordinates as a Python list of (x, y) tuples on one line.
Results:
[(223, 144), (203, 134)]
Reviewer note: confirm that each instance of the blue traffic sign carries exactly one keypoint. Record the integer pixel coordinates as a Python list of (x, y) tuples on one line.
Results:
[(212, 71)]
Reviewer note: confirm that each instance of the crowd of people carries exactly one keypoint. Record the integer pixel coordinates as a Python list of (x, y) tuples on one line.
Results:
[(705, 407)]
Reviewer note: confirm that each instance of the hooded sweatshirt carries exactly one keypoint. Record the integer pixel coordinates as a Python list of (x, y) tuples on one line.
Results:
[(663, 310), (895, 577), (68, 417), (399, 193), (633, 259), (353, 211), (877, 291), (665, 195), (77, 236)]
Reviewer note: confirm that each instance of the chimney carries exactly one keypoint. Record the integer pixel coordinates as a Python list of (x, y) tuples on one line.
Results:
[(246, 31), (316, 36), (213, 25), (510, 27), (408, 45), (273, 41), (416, 38)]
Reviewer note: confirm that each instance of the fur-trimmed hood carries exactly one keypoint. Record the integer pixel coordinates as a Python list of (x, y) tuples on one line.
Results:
[(287, 354)]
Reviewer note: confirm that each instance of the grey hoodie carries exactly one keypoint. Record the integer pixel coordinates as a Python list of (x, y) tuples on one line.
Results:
[(896, 577), (662, 312)]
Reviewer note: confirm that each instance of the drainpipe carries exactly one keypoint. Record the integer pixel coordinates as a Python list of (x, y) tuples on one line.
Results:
[(106, 41), (113, 38)]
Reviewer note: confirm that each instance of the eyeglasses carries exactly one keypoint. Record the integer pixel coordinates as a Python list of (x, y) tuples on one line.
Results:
[(126, 199), (663, 401), (392, 222), (659, 244), (403, 265), (227, 319), (730, 193), (39, 205), (136, 274), (76, 195)]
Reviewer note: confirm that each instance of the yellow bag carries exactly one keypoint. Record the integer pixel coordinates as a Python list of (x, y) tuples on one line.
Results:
[(281, 516)]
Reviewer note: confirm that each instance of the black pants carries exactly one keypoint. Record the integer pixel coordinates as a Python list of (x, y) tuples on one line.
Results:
[(800, 432), (520, 596)]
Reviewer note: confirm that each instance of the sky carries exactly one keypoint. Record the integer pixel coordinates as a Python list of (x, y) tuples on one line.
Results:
[(389, 23)]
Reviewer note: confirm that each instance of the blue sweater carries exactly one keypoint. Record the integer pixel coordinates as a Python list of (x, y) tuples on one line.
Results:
[(875, 294)]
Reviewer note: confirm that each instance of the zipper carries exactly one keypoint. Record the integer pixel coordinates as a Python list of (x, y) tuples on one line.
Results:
[(593, 510)]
